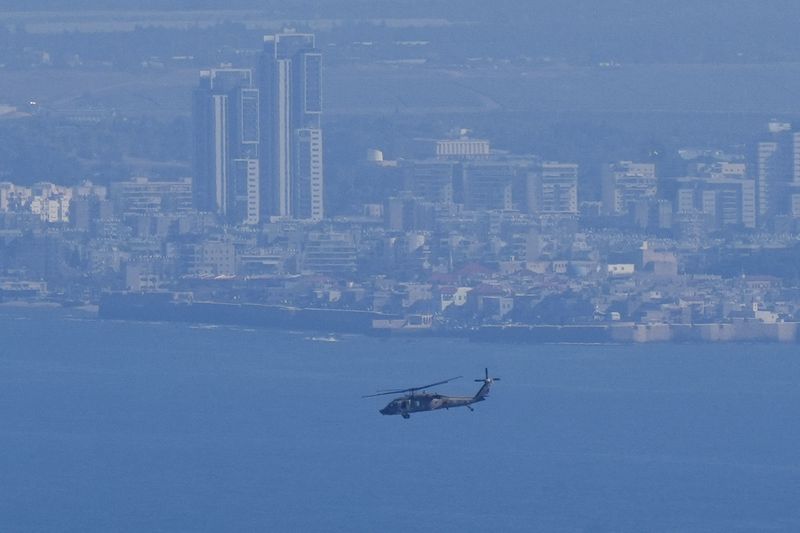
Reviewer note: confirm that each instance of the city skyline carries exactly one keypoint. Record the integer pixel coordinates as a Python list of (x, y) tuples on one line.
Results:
[(441, 205)]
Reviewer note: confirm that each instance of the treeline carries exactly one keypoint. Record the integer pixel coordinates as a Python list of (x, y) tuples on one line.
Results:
[(66, 152)]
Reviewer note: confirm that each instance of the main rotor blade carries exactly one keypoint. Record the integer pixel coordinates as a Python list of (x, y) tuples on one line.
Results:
[(437, 383), (410, 389), (385, 393)]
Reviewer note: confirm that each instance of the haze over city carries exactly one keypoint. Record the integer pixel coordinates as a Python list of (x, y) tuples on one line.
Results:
[(221, 225)]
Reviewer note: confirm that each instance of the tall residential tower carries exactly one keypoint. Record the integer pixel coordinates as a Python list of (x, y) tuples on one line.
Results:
[(290, 85), (226, 145)]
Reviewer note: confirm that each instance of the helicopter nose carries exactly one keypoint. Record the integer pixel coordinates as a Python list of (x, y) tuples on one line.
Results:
[(383, 411)]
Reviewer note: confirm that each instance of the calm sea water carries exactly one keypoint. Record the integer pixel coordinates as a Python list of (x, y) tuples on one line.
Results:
[(116, 426)]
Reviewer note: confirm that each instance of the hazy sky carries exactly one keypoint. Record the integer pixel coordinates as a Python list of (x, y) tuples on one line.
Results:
[(655, 30)]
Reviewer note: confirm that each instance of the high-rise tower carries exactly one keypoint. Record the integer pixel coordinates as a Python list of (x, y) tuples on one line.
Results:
[(226, 145), (776, 163), (289, 82)]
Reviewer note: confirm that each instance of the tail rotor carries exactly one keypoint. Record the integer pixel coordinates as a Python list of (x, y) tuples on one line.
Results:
[(486, 378), (487, 385)]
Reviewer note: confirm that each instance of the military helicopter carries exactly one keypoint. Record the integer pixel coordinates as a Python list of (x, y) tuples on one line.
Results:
[(417, 400)]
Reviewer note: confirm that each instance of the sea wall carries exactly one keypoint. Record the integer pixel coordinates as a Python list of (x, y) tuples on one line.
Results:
[(743, 331), (161, 307)]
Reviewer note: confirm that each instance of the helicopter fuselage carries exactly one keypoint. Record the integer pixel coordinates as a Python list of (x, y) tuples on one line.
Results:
[(415, 403)]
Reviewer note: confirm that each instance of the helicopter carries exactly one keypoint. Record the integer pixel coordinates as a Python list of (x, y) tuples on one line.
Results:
[(417, 400)]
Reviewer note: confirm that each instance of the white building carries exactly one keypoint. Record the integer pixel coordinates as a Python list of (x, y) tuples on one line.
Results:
[(625, 184), (553, 189)]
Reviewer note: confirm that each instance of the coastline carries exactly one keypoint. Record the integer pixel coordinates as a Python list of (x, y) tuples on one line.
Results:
[(28, 304), (160, 307)]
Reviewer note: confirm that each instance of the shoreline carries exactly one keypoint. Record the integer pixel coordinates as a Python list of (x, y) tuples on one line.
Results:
[(161, 307), (28, 304), (145, 308)]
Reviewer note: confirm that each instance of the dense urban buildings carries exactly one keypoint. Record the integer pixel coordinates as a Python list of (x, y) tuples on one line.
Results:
[(464, 237)]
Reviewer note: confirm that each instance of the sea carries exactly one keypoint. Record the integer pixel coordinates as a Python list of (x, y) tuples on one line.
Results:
[(130, 426)]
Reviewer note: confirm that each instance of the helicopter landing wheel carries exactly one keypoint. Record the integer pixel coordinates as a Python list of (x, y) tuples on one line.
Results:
[(406, 415)]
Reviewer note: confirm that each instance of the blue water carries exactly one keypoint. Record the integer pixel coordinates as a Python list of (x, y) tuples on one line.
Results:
[(117, 426)]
